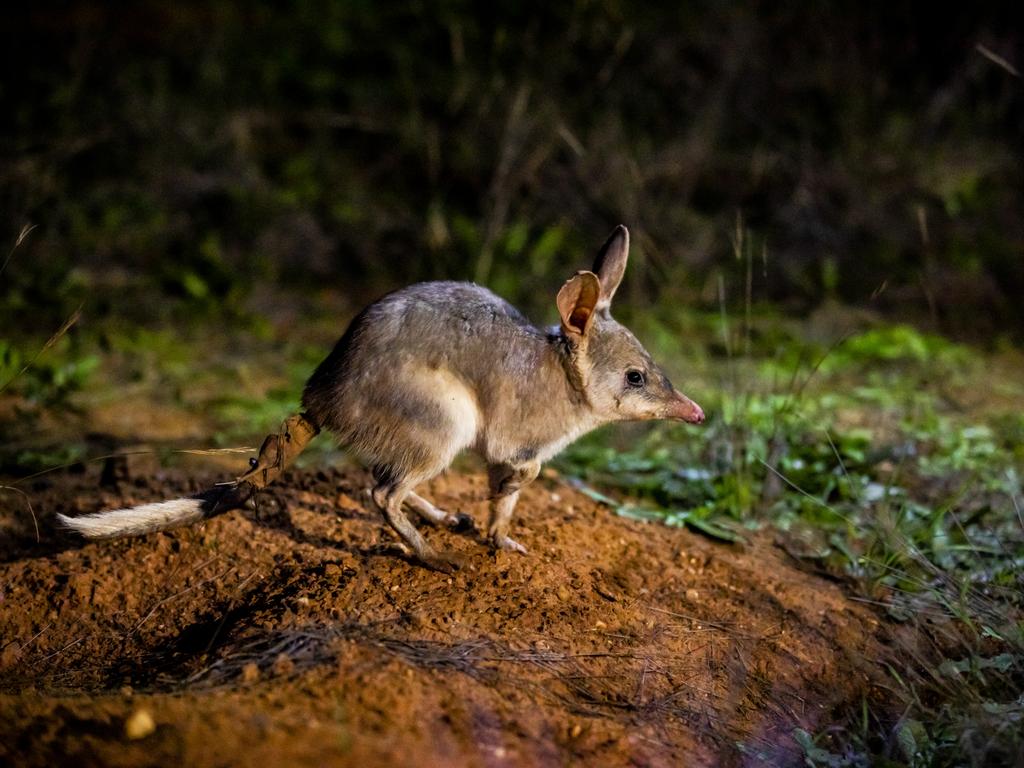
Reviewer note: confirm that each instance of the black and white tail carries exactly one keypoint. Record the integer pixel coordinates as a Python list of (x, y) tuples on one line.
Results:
[(277, 452)]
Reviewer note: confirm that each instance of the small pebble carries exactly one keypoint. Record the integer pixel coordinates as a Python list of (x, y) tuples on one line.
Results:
[(250, 672), (283, 665), (692, 595), (139, 725)]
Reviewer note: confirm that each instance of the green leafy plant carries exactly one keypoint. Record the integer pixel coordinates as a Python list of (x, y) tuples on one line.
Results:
[(857, 452)]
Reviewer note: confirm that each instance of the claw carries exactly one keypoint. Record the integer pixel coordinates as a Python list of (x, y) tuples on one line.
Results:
[(441, 562), (460, 522), (508, 544)]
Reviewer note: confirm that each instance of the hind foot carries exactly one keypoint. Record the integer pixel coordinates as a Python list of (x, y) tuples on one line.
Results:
[(435, 516), (444, 562), (388, 498), (508, 544)]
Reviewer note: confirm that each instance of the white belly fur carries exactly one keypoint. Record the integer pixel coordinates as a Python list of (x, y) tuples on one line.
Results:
[(457, 402)]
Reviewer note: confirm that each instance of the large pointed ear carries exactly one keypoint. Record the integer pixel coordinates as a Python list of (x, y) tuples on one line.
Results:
[(610, 265), (577, 301)]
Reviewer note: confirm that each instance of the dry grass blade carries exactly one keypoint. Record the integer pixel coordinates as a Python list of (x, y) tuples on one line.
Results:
[(566, 677), (125, 454), (996, 59), (313, 646), (28, 503), (25, 230), (57, 336), (214, 451), (180, 593), (58, 652), (715, 625), (1016, 508)]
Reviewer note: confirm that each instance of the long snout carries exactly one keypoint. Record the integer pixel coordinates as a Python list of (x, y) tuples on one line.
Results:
[(683, 408)]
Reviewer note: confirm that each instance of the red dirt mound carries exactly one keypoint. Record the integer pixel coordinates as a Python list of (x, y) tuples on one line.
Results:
[(293, 634)]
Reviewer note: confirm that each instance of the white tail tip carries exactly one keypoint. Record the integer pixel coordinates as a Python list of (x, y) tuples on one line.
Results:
[(136, 521)]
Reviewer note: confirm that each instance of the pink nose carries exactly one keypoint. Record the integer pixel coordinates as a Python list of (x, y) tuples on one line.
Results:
[(684, 409)]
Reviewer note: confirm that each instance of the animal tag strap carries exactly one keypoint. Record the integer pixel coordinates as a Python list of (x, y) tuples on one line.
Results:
[(278, 451)]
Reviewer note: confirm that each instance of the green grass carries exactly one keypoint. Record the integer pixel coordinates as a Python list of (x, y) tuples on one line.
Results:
[(892, 460)]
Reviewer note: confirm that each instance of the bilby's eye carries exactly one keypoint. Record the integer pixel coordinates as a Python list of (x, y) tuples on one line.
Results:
[(635, 378)]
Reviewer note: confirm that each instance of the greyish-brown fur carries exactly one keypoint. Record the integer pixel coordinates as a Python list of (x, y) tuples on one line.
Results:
[(437, 368)]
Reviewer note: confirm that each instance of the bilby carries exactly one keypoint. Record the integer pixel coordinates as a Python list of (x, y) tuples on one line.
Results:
[(439, 367)]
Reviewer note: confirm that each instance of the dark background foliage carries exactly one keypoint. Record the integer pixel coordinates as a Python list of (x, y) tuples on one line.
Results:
[(214, 188), (191, 152)]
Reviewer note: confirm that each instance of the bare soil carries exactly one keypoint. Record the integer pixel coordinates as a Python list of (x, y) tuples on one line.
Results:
[(293, 633)]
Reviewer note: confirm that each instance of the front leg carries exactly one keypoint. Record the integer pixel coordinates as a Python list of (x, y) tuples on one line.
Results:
[(505, 482)]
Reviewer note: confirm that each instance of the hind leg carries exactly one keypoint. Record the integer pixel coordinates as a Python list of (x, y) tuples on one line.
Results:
[(412, 428), (505, 481), (388, 498), (436, 516)]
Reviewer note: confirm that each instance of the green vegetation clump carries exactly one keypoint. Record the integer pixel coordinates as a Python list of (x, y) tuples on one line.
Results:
[(868, 459)]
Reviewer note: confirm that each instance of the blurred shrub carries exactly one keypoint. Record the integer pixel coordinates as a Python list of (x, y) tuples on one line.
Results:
[(47, 377), (201, 148)]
